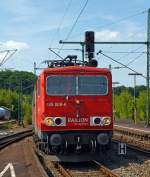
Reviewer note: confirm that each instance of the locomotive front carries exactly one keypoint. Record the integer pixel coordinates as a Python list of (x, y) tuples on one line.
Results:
[(73, 110)]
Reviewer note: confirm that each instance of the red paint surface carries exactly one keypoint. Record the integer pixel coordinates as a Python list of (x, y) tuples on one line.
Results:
[(61, 106)]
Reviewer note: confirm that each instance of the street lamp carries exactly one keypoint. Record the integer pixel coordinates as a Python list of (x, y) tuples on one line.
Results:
[(134, 98), (114, 106)]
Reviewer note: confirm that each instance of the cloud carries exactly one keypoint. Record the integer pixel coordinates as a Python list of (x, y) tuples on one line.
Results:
[(107, 35), (15, 45)]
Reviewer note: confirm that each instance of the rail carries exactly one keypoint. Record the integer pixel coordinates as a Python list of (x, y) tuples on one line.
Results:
[(2, 123), (62, 170), (106, 171), (7, 140), (137, 139)]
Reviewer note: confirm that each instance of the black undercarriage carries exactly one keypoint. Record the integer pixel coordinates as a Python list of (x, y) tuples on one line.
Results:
[(81, 142)]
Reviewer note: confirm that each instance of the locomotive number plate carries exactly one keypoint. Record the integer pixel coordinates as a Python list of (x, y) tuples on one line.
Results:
[(56, 104)]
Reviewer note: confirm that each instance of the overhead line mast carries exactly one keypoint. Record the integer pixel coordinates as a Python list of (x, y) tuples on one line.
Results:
[(148, 68)]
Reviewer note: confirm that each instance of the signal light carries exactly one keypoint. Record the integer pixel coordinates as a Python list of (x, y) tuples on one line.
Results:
[(89, 40)]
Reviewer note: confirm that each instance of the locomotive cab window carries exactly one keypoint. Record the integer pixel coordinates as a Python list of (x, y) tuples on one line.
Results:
[(61, 85), (38, 87), (76, 85), (92, 85)]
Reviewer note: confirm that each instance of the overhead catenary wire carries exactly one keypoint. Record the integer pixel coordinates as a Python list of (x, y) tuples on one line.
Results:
[(137, 57), (100, 52), (120, 20), (128, 52), (6, 59), (55, 48), (133, 60), (7, 56), (61, 21), (124, 18), (126, 55), (74, 24)]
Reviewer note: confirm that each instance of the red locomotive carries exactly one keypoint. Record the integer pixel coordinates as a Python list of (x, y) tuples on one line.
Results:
[(72, 108)]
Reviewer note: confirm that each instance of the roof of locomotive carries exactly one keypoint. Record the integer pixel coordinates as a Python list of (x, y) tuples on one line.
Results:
[(75, 69)]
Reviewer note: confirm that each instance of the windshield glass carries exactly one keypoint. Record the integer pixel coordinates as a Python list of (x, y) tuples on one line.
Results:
[(76, 85), (92, 85), (61, 85)]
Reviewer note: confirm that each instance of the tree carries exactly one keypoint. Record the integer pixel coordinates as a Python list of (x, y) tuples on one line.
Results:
[(141, 106), (124, 105), (10, 99), (12, 79)]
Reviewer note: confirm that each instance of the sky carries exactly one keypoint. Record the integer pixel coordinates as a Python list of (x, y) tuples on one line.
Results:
[(32, 26)]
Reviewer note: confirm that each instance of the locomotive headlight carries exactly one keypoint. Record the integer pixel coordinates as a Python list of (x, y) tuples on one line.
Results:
[(106, 121), (55, 121), (48, 121), (59, 121), (95, 121), (100, 121)]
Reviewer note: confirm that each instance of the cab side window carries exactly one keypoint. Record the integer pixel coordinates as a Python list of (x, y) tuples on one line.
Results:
[(38, 87)]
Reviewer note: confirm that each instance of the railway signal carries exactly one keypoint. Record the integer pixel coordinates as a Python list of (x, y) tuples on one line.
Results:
[(89, 44)]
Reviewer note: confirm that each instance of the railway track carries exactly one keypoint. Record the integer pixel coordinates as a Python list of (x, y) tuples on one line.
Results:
[(5, 141), (139, 140), (88, 169), (7, 122)]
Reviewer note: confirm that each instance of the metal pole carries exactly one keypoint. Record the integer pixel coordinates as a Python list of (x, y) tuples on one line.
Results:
[(35, 68), (114, 106), (123, 42), (82, 52), (134, 99), (134, 95), (148, 69), (114, 109), (19, 108)]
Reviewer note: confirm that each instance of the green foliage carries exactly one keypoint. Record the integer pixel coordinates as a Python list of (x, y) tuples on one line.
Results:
[(10, 99), (124, 105), (13, 79), (16, 86), (141, 106), (27, 110), (6, 126), (120, 89)]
